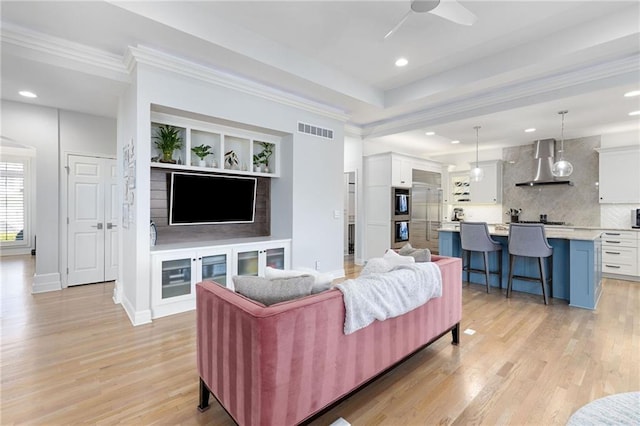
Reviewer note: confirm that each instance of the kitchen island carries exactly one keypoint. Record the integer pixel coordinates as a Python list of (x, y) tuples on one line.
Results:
[(577, 272)]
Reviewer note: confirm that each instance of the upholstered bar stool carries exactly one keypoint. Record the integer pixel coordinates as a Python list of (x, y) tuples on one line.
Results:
[(474, 236), (529, 240)]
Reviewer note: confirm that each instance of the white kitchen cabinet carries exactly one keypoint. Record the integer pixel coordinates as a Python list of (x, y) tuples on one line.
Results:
[(175, 271), (489, 189), (401, 172), (619, 169), (620, 253)]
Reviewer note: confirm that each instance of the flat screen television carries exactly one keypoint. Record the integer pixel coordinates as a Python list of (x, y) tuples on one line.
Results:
[(199, 199)]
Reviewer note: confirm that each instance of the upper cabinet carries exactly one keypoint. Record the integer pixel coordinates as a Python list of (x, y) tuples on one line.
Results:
[(204, 146), (401, 171), (619, 175), (489, 189)]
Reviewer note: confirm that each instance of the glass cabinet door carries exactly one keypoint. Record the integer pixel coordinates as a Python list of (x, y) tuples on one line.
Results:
[(214, 268), (176, 278), (248, 262), (275, 257)]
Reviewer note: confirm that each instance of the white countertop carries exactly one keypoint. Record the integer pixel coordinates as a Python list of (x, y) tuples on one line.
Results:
[(562, 232)]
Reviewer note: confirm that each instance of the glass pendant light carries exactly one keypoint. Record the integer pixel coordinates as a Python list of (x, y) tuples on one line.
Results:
[(476, 173), (562, 168)]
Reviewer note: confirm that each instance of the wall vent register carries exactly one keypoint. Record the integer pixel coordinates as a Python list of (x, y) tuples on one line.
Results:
[(315, 130)]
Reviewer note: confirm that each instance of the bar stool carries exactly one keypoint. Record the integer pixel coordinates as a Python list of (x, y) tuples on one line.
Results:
[(474, 236), (529, 240)]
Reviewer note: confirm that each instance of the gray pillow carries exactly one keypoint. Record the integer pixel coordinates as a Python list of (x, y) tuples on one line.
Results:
[(272, 291), (420, 255)]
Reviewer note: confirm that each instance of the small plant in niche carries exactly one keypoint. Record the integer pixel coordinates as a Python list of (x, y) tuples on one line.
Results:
[(201, 152), (263, 156), (167, 140), (231, 159)]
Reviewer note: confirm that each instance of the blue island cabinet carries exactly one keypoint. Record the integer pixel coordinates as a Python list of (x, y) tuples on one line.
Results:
[(576, 267)]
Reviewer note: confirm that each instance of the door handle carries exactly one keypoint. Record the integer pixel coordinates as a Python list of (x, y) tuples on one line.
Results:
[(111, 225), (99, 226)]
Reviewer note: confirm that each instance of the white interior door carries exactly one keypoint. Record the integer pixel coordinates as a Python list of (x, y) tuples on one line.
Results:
[(92, 238)]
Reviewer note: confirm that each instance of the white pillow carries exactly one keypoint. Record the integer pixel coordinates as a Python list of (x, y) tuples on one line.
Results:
[(395, 259), (271, 273), (376, 265)]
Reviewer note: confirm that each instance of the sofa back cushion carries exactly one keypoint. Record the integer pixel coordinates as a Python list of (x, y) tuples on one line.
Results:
[(270, 291)]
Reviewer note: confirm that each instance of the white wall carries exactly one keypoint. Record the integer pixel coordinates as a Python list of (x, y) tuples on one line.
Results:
[(52, 133), (37, 127), (309, 187)]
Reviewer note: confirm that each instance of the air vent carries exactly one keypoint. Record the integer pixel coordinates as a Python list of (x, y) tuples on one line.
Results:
[(315, 130)]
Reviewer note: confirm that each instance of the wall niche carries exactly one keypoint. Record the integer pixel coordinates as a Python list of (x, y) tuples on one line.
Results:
[(160, 183)]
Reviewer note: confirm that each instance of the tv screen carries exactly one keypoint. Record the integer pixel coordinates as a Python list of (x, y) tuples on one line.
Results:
[(197, 199)]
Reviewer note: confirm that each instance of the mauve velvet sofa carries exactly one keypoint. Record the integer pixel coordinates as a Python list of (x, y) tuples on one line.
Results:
[(282, 364)]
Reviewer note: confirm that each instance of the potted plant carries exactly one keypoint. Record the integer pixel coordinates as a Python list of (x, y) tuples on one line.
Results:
[(201, 152), (263, 157), (231, 159), (167, 140)]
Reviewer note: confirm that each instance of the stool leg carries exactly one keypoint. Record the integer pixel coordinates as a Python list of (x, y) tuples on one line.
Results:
[(485, 255), (550, 279), (543, 279), (499, 252), (510, 283), (468, 266)]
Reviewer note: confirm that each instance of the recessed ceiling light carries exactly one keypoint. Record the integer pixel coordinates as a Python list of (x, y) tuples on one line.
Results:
[(634, 113), (455, 142), (401, 62), (532, 129), (632, 93), (430, 133), (27, 94)]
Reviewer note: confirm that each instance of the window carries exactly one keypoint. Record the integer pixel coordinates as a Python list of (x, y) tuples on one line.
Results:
[(13, 201)]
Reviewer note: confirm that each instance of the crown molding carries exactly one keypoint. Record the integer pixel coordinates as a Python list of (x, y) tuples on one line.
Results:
[(57, 51), (508, 96), (145, 55)]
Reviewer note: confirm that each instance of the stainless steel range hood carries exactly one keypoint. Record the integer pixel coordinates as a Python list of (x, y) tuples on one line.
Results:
[(544, 154)]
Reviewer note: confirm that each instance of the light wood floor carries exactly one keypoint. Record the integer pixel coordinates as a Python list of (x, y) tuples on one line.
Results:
[(72, 357)]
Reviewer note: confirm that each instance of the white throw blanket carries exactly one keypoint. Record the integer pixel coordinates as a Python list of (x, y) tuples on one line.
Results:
[(390, 294)]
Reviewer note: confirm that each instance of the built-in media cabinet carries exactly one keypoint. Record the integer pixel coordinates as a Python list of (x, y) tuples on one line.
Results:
[(176, 268)]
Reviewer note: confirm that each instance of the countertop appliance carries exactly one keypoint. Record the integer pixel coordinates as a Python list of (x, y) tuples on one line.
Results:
[(635, 218), (426, 211)]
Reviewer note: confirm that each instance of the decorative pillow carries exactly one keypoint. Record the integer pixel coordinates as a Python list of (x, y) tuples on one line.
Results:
[(395, 259), (376, 265), (272, 291), (322, 281), (420, 255)]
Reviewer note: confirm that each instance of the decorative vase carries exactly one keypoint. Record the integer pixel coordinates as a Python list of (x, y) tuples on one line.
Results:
[(266, 169), (214, 164), (202, 163), (167, 158), (256, 168)]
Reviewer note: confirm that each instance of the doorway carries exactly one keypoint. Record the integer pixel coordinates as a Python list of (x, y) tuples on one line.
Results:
[(92, 220), (349, 213)]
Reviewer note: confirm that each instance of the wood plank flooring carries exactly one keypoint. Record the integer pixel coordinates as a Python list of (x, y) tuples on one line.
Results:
[(72, 357)]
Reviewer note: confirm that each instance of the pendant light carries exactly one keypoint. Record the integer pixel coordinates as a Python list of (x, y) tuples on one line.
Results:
[(476, 173), (562, 168)]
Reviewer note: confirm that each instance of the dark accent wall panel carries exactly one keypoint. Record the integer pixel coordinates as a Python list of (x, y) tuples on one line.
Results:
[(160, 181)]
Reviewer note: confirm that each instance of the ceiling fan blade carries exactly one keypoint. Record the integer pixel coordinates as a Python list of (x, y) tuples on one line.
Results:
[(393, 30), (455, 12)]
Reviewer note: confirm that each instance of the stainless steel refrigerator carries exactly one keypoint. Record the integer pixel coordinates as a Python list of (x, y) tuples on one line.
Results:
[(426, 211)]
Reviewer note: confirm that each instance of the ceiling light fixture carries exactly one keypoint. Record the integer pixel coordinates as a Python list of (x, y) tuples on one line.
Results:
[(455, 142), (27, 94), (529, 130), (430, 133), (632, 93), (476, 173), (401, 62), (562, 168), (634, 113)]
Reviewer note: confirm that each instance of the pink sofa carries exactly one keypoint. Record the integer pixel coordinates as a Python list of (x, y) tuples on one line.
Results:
[(282, 364)]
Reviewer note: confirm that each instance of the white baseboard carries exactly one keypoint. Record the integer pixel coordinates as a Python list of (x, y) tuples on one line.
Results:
[(46, 282), (136, 317), (337, 273)]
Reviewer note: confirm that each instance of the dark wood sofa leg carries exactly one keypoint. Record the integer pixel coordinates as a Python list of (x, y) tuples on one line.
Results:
[(455, 332), (204, 397)]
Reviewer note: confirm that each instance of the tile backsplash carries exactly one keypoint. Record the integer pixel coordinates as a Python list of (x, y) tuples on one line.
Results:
[(575, 205)]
